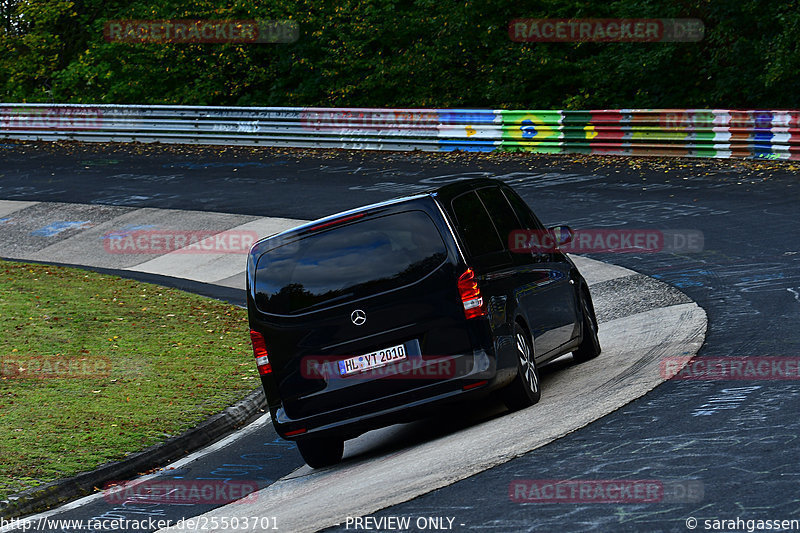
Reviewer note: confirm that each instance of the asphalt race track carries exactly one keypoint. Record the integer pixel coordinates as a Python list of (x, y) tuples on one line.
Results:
[(734, 439)]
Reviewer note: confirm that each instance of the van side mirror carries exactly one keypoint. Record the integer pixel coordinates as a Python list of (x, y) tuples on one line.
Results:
[(561, 234)]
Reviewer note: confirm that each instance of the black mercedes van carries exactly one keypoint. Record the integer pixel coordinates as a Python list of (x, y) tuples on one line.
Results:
[(376, 315)]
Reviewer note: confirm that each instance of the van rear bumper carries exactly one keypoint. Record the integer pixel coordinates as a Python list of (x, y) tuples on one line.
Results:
[(351, 421)]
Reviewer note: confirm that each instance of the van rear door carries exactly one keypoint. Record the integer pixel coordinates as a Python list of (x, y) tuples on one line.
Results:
[(372, 285)]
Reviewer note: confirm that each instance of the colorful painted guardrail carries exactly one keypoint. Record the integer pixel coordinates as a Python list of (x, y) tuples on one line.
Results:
[(661, 132)]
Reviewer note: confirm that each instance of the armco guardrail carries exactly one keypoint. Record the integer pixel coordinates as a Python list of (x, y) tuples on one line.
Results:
[(666, 132)]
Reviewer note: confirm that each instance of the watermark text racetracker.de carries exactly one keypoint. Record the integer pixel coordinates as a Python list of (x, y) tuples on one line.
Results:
[(370, 367), (54, 367), (738, 368), (605, 30), (51, 118), (181, 492), (201, 31), (603, 240), (179, 241), (633, 491), (730, 121)]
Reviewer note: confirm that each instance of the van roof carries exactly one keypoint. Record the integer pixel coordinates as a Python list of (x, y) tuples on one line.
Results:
[(447, 192)]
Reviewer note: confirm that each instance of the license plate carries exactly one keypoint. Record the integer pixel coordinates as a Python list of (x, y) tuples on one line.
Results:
[(362, 363)]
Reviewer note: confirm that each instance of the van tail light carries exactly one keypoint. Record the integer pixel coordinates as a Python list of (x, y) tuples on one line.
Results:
[(260, 351), (336, 222), (474, 306)]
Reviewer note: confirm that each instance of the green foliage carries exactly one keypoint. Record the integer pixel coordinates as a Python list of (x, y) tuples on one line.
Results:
[(403, 53)]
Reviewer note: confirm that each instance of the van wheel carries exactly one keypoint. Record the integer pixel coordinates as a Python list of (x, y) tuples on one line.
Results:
[(590, 345), (321, 452), (525, 390)]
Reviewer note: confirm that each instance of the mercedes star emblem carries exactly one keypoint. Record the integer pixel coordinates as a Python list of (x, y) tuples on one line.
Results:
[(358, 317)]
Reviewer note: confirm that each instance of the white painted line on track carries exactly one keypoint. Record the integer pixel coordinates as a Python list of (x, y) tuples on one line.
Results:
[(594, 271)]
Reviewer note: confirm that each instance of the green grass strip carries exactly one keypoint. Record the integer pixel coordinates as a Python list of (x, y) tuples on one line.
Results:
[(94, 367)]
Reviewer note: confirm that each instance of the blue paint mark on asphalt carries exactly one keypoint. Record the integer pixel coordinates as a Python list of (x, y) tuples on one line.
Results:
[(127, 230), (528, 129), (761, 277), (288, 444), (6, 220), (51, 230)]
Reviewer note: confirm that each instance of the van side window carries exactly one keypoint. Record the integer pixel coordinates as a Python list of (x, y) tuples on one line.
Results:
[(505, 221), (475, 226), (524, 213)]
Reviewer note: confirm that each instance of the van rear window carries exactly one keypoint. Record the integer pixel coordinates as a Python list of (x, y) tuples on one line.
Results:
[(348, 262)]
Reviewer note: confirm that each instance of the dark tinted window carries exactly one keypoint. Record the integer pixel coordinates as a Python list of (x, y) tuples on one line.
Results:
[(500, 212), (526, 217), (349, 262), (475, 226)]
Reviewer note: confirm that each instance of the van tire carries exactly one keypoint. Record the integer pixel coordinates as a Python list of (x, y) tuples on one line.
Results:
[(526, 388), (319, 452), (590, 344)]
